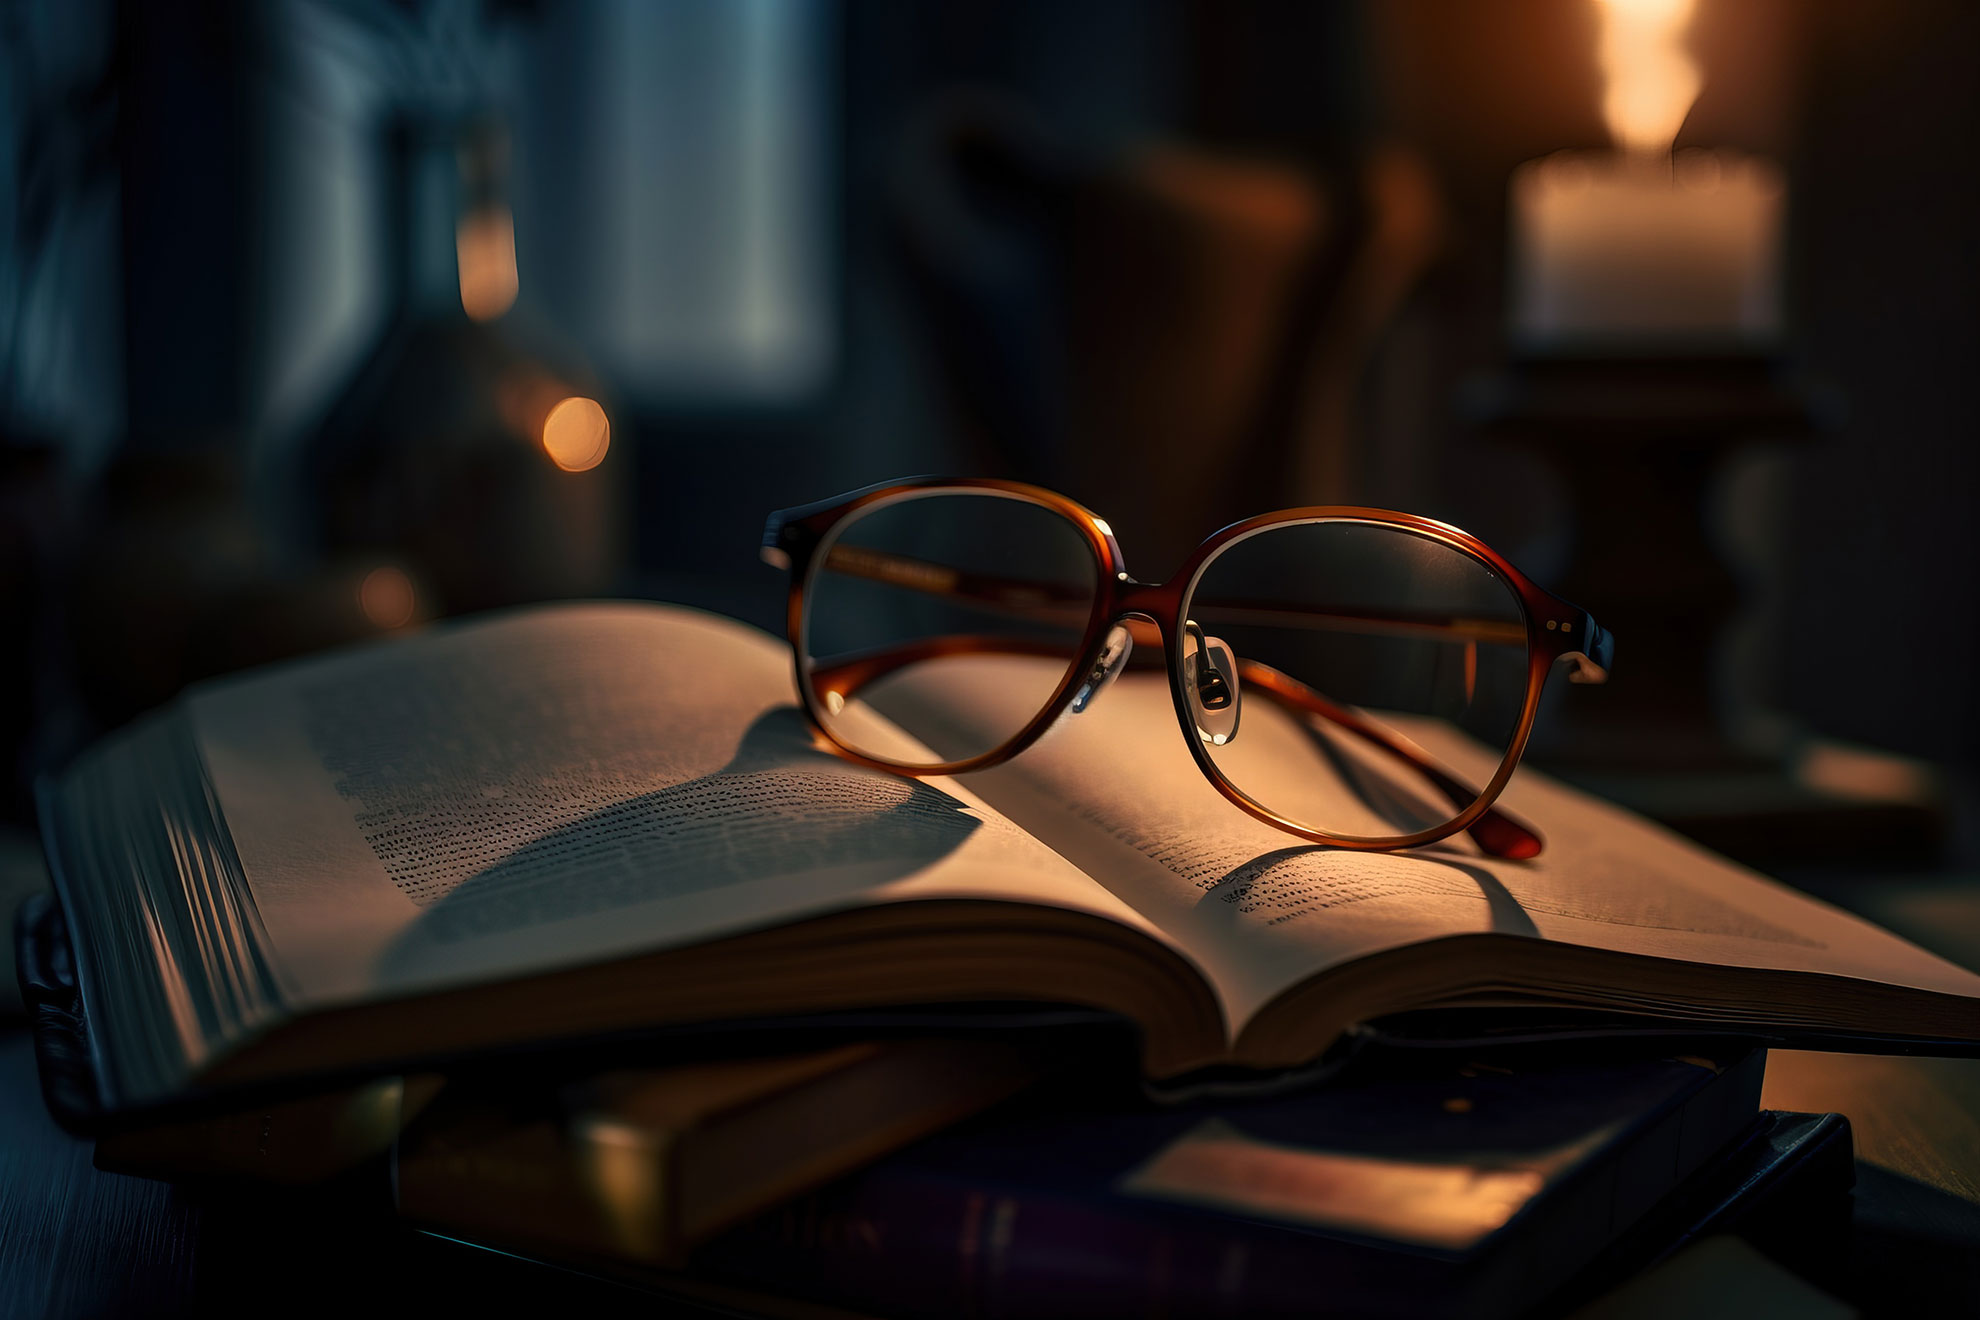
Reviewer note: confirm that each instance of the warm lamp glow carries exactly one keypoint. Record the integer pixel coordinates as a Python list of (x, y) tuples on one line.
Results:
[(1652, 81), (387, 597), (576, 434), (1636, 247), (485, 248)]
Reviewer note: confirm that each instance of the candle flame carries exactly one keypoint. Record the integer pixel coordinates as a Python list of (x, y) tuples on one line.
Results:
[(1652, 80)]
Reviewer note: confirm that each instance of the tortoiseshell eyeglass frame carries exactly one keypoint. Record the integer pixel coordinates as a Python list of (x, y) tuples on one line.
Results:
[(801, 540)]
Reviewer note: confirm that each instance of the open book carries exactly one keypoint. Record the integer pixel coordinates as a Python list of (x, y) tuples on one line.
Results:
[(577, 820)]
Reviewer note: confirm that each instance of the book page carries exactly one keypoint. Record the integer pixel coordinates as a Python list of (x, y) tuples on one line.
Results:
[(1116, 790), (564, 784)]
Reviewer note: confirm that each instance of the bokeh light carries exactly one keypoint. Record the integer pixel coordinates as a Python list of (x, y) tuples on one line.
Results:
[(485, 249), (576, 434), (387, 597)]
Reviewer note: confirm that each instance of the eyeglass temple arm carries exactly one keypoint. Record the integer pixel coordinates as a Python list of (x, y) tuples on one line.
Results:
[(1044, 600), (1498, 833)]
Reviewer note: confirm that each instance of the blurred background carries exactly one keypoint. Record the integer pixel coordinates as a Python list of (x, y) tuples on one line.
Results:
[(321, 319)]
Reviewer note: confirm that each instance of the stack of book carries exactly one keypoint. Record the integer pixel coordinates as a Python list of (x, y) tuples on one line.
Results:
[(833, 1034)]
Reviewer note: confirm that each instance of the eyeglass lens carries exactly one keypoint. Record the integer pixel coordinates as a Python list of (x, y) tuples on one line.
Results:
[(1333, 628), (956, 616)]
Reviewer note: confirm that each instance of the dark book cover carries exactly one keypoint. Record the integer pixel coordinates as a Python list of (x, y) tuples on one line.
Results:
[(1784, 1187), (1437, 1186)]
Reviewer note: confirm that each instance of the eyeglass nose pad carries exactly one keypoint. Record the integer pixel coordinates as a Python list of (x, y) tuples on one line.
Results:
[(1107, 665), (1211, 679)]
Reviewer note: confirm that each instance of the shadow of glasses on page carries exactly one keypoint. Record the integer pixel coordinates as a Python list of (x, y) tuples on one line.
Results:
[(1278, 871), (1405, 812), (781, 806)]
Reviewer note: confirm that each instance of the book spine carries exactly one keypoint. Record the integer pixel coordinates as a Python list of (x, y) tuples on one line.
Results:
[(299, 1142), (909, 1245), (529, 1185)]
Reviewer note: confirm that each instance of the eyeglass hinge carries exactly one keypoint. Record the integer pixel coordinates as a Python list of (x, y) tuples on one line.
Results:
[(777, 532)]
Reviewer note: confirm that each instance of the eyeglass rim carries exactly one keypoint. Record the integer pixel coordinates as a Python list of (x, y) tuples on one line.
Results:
[(1537, 670), (805, 535), (795, 539)]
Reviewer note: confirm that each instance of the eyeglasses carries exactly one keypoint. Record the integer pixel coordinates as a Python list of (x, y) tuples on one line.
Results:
[(942, 625)]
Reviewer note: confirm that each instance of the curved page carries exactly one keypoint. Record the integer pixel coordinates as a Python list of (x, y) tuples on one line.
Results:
[(565, 785), (1115, 790)]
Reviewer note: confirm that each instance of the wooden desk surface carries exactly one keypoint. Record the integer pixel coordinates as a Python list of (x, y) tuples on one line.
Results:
[(1916, 1236), (75, 1242)]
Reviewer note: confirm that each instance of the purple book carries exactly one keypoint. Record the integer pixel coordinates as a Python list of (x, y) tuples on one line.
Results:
[(1437, 1187)]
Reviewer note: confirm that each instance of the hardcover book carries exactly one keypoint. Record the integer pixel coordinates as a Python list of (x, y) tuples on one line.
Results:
[(643, 1163), (1471, 1188), (576, 821), (1784, 1187)]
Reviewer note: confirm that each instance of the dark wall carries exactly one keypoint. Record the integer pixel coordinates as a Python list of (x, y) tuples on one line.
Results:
[(1885, 596)]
